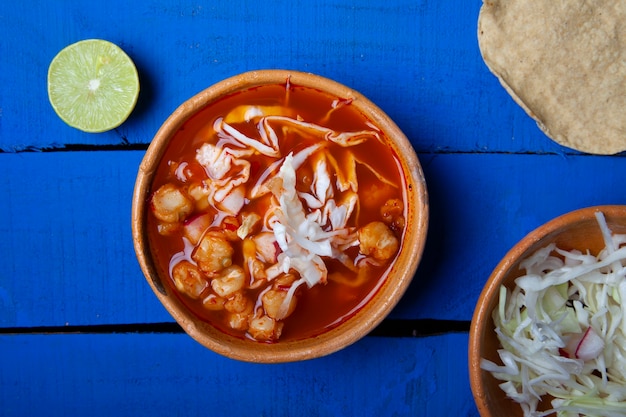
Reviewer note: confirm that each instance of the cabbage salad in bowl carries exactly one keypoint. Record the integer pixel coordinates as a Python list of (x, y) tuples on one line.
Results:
[(562, 331)]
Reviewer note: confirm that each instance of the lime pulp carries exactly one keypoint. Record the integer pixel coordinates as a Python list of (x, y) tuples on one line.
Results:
[(93, 85)]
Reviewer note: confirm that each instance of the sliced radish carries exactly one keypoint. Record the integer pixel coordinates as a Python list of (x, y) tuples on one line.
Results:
[(196, 226), (266, 247), (234, 201), (563, 352), (590, 346), (586, 346)]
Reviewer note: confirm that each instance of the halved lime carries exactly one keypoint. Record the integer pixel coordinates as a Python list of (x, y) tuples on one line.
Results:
[(93, 85)]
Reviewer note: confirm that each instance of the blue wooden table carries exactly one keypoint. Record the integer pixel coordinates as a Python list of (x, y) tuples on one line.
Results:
[(81, 332)]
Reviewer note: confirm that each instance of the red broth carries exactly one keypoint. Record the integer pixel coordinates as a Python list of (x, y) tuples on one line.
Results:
[(378, 199)]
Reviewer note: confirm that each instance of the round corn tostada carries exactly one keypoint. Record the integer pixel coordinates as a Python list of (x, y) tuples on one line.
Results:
[(564, 63)]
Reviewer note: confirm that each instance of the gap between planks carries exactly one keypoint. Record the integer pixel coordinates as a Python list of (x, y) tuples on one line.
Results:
[(388, 328), (132, 146)]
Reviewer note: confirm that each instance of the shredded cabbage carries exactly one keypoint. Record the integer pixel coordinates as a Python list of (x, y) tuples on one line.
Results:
[(566, 303), (308, 225), (303, 241)]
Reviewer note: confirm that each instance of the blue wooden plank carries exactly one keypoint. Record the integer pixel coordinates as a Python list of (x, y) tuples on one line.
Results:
[(64, 216), (481, 205), (68, 256), (419, 61), (166, 375), (66, 244)]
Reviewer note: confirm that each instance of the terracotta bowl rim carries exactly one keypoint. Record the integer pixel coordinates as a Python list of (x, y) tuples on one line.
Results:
[(490, 291), (376, 309)]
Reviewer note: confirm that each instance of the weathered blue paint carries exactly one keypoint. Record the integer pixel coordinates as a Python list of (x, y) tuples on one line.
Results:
[(418, 60), (171, 375), (67, 255)]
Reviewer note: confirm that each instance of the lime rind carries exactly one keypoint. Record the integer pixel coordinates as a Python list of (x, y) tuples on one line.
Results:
[(93, 85)]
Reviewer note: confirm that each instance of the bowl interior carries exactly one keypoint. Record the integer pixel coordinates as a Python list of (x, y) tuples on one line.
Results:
[(576, 230), (369, 315)]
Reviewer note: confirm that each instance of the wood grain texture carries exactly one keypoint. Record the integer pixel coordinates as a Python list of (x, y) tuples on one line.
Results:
[(69, 257), (170, 375), (419, 61)]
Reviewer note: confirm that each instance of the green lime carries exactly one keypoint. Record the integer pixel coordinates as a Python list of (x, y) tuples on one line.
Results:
[(93, 85)]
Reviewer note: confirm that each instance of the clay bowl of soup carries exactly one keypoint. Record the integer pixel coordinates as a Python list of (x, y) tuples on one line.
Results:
[(565, 278), (279, 216)]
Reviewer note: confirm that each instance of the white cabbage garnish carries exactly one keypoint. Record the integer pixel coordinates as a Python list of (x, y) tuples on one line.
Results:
[(301, 239), (260, 188), (226, 174), (268, 146), (307, 226), (215, 160), (344, 139), (563, 331)]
